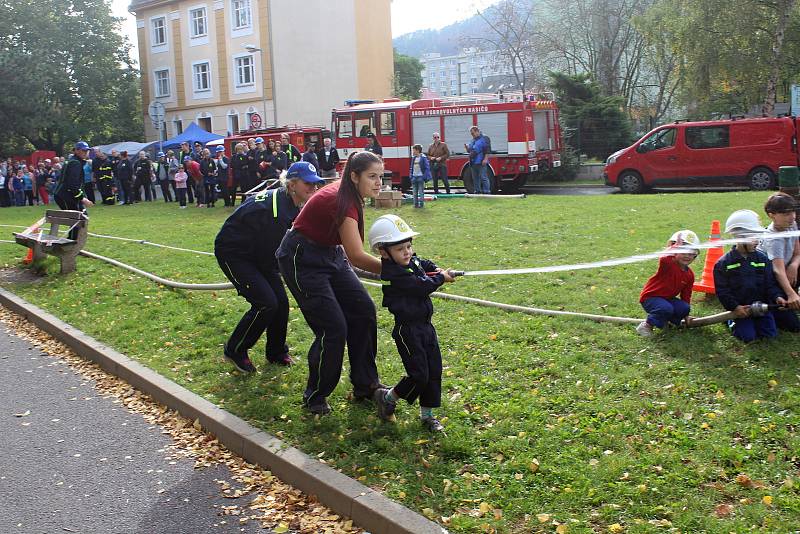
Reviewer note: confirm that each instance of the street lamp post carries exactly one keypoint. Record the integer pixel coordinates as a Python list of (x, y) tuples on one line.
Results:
[(253, 49)]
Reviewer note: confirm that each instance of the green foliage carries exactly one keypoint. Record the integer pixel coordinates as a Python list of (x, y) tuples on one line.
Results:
[(67, 74), (593, 124), (407, 76), (585, 422), (725, 54)]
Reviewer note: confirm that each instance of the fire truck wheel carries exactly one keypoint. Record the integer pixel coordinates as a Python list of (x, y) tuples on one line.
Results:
[(630, 182), (466, 177), (761, 179)]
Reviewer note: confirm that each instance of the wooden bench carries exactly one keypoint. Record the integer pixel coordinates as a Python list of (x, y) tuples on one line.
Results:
[(42, 241)]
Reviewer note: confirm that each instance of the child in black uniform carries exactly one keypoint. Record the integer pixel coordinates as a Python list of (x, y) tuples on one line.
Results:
[(408, 282)]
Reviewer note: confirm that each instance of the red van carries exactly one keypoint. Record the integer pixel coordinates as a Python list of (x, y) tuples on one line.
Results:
[(724, 153)]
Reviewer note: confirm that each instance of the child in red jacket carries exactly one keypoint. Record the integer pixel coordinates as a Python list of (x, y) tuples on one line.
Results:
[(673, 279)]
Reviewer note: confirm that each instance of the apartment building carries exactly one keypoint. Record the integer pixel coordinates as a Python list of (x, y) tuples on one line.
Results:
[(221, 62), (462, 73)]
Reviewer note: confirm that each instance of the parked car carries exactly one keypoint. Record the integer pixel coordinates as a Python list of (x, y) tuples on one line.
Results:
[(723, 153)]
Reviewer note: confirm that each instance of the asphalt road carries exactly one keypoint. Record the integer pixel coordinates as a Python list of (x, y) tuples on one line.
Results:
[(569, 190), (73, 461)]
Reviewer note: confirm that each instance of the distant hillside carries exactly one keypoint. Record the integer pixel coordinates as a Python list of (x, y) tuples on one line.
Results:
[(446, 41)]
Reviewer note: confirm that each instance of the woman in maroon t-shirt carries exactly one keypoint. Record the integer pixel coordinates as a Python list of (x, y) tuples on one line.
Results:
[(318, 272)]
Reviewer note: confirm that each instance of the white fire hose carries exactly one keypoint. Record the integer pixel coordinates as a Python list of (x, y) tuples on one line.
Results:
[(757, 308)]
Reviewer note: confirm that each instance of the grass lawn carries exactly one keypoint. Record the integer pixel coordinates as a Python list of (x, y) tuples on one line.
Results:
[(552, 423)]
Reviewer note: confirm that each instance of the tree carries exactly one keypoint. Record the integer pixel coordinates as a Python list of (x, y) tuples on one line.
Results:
[(729, 60), (594, 124), (510, 29), (407, 76), (66, 73), (596, 37)]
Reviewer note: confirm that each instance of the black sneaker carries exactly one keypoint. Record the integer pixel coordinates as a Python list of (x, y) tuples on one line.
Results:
[(360, 396), (284, 360), (385, 408), (242, 362), (319, 409), (432, 424)]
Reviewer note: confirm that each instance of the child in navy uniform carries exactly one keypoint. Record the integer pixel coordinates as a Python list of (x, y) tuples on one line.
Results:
[(743, 276), (408, 282)]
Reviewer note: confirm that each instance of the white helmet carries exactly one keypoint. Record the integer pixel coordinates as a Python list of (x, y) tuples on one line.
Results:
[(388, 230), (743, 221), (687, 237)]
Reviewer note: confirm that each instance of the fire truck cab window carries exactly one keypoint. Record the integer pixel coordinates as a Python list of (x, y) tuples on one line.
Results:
[(364, 124), (387, 123), (345, 126)]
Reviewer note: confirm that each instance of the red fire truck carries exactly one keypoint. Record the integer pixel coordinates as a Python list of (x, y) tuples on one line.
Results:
[(524, 132), (299, 136)]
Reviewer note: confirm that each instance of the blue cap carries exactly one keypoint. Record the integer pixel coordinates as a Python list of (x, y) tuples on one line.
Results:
[(259, 139), (220, 148), (160, 155), (186, 158), (305, 171), (82, 145)]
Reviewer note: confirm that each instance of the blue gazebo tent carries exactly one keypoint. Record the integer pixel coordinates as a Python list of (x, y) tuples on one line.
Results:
[(191, 134)]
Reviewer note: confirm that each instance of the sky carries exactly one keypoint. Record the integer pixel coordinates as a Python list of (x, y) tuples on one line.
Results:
[(407, 15)]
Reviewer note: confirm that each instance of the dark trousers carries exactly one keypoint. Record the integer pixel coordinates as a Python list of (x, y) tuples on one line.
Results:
[(751, 328), (67, 202), (211, 193), (787, 320), (88, 190), (29, 196), (104, 188), (200, 192), (269, 308), (661, 311), (165, 192), (419, 349), (138, 185), (127, 189), (190, 190), (439, 170), (180, 193), (338, 309)]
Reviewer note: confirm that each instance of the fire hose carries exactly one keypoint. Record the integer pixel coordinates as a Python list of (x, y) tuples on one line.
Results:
[(757, 308)]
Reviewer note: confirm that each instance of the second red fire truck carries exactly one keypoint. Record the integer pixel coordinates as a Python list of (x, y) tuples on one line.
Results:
[(524, 132)]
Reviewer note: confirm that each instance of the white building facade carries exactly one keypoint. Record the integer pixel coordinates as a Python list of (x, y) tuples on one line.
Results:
[(460, 74), (224, 63)]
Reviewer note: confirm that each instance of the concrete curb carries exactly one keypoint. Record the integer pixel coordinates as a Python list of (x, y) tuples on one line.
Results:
[(367, 508)]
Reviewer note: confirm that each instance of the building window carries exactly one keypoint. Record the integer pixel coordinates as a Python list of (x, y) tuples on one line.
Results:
[(452, 83), (241, 14), (197, 22), (159, 31), (161, 78), (233, 123), (204, 123), (178, 125), (473, 80), (202, 77), (245, 73), (442, 74)]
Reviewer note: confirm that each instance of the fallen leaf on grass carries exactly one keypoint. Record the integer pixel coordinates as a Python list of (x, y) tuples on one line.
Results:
[(561, 529), (281, 529), (534, 466), (543, 518), (616, 528), (723, 510), (767, 499)]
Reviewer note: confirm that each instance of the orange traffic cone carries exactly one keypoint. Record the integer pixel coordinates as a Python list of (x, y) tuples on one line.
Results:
[(706, 283), (29, 258)]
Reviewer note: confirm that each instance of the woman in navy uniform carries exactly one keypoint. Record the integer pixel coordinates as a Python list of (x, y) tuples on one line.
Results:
[(315, 260), (245, 249)]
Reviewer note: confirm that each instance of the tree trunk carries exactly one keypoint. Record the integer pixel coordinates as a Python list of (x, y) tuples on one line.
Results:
[(784, 8)]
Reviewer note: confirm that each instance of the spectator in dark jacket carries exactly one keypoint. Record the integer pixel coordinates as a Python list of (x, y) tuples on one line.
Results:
[(310, 156), (328, 157)]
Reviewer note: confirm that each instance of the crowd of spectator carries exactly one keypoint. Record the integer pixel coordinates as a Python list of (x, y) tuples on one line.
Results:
[(24, 184)]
